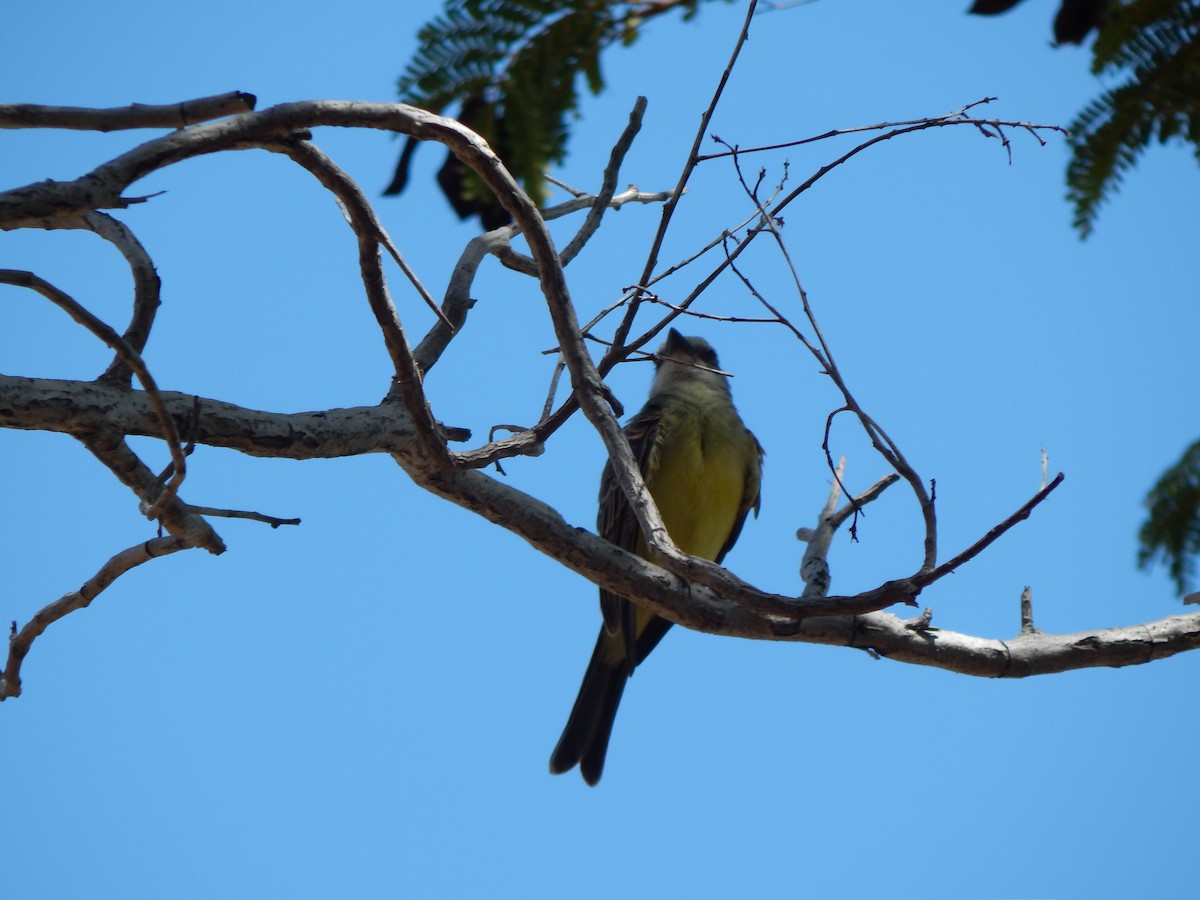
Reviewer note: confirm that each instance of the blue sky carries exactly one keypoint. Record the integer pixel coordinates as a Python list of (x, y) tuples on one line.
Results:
[(363, 706)]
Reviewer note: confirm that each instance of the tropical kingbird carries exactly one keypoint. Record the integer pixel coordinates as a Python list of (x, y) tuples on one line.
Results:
[(703, 468)]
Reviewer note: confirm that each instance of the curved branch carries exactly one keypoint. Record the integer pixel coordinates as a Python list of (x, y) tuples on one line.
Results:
[(146, 284), (823, 353), (370, 234), (726, 613), (154, 502), (20, 641)]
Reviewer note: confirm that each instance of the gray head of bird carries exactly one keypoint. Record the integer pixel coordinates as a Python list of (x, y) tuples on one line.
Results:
[(687, 360)]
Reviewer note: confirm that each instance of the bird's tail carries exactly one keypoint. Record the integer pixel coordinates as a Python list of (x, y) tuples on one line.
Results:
[(585, 739)]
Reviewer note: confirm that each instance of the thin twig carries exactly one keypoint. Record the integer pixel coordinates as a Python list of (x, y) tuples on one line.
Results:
[(626, 324), (958, 117), (273, 521), (718, 241), (712, 317), (608, 185), (596, 208), (607, 362), (457, 301), (879, 438), (558, 183), (988, 539), (359, 212)]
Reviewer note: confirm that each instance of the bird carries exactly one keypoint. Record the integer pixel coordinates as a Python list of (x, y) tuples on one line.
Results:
[(703, 467)]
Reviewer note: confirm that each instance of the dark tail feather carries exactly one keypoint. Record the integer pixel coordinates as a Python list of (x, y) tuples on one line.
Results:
[(585, 739)]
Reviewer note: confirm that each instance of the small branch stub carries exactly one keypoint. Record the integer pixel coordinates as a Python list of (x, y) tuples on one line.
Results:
[(1027, 612), (921, 623)]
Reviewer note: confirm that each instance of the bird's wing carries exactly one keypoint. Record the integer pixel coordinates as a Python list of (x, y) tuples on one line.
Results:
[(617, 523), (751, 498)]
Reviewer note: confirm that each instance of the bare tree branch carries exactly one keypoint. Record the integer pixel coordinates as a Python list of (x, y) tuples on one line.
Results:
[(457, 301), (697, 607), (814, 571), (79, 408), (618, 349), (688, 591), (137, 115), (996, 531), (608, 185), (370, 234), (1019, 657), (157, 500), (1027, 612), (958, 117), (146, 285), (362, 217), (273, 521), (173, 514), (20, 641)]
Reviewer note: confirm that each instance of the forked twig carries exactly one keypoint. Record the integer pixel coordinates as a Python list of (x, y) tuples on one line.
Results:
[(814, 567)]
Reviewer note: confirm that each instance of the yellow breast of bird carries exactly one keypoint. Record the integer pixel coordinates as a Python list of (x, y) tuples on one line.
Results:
[(697, 474)]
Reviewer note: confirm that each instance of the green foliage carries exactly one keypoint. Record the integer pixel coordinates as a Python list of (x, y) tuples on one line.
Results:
[(1156, 44), (1075, 20), (513, 67), (1172, 529)]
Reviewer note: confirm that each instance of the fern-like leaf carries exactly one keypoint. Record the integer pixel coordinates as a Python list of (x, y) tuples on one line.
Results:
[(1157, 42), (1171, 531), (513, 68)]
